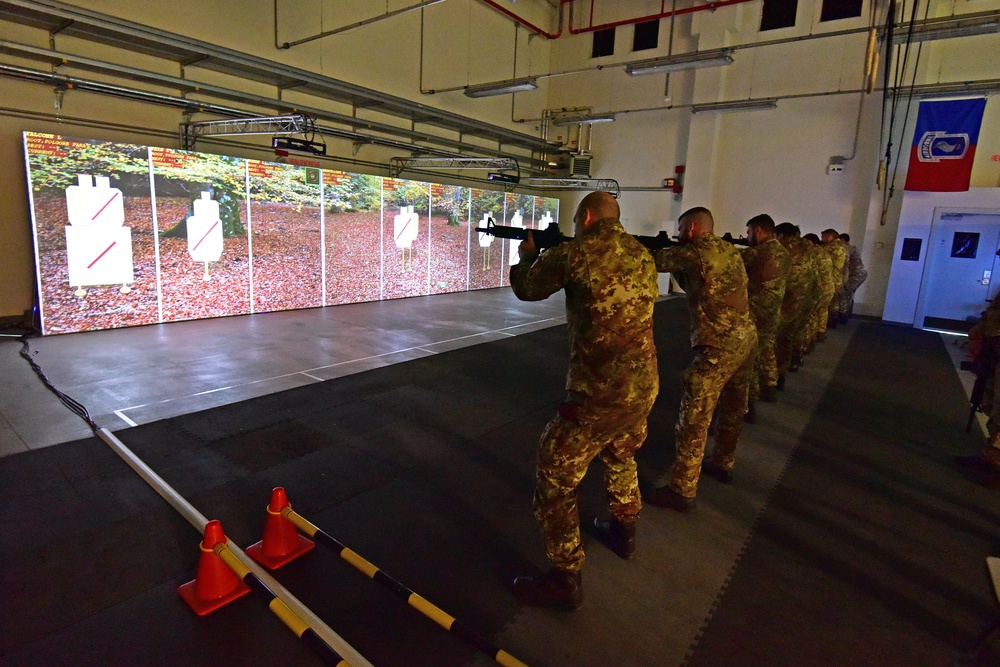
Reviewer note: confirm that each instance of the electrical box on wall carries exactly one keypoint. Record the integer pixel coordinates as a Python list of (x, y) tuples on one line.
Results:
[(836, 165)]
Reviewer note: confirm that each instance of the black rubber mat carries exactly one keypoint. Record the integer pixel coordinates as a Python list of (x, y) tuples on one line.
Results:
[(426, 468), (871, 550)]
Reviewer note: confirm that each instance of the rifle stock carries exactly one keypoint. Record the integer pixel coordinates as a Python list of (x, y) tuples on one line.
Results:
[(734, 240)]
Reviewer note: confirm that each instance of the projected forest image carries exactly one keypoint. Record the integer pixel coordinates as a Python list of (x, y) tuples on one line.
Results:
[(127, 235)]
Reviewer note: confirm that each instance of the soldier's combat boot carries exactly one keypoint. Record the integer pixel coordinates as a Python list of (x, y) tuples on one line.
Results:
[(768, 393), (713, 469), (750, 417), (796, 362), (781, 383), (667, 497), (617, 536), (559, 589)]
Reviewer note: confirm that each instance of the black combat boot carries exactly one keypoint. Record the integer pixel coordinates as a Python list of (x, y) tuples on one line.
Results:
[(560, 589), (796, 362), (713, 469), (781, 383), (667, 497), (768, 393), (617, 536), (750, 417)]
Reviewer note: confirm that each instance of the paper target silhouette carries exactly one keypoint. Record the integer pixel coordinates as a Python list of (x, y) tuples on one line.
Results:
[(98, 245)]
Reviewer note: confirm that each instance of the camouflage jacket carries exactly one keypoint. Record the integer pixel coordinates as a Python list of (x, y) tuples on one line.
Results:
[(823, 263), (611, 286), (855, 266), (716, 284), (837, 250), (803, 286), (989, 326), (768, 265)]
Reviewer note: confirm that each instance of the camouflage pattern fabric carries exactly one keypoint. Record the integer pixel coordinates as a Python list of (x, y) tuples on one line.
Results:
[(715, 382), (829, 280), (611, 287), (582, 430), (839, 253), (989, 329), (856, 274), (716, 284), (723, 337), (768, 265), (802, 292)]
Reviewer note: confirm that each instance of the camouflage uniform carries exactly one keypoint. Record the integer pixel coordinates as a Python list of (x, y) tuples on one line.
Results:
[(838, 251), (768, 265), (856, 274), (611, 286), (723, 337), (801, 295), (828, 280), (989, 329)]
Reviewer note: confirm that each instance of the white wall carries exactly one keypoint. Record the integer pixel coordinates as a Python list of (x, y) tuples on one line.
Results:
[(737, 164), (915, 222)]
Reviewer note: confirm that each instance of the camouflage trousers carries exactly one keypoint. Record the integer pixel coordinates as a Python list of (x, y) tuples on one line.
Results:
[(765, 368), (792, 337), (720, 377), (850, 287), (820, 315), (991, 406), (581, 431)]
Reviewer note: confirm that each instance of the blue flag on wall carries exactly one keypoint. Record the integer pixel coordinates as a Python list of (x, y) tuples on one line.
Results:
[(944, 145)]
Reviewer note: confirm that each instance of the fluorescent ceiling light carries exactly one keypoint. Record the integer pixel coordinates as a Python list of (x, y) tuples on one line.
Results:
[(960, 25), (521, 85), (958, 88), (743, 105), (679, 62), (573, 120)]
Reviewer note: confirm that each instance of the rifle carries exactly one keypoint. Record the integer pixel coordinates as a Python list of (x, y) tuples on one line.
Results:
[(983, 370), (546, 238), (551, 236), (734, 240)]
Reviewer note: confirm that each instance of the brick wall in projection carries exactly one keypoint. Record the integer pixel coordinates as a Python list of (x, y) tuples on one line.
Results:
[(128, 235)]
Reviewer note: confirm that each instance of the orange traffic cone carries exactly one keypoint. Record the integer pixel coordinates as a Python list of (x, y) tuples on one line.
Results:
[(215, 584), (282, 542)]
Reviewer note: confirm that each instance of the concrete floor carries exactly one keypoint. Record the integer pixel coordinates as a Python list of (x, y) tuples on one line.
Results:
[(143, 374), (140, 375)]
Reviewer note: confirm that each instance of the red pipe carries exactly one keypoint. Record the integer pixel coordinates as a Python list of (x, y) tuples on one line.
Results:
[(591, 28), (530, 26), (642, 19)]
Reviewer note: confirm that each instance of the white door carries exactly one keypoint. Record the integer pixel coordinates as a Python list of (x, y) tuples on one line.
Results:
[(961, 271)]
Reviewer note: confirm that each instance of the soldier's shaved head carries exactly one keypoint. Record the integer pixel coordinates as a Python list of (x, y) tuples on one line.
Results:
[(601, 205), (699, 218)]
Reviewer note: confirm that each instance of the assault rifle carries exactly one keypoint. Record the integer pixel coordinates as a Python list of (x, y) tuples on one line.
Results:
[(734, 240), (546, 238), (551, 236)]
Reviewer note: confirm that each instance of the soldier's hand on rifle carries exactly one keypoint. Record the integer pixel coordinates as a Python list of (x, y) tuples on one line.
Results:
[(527, 251)]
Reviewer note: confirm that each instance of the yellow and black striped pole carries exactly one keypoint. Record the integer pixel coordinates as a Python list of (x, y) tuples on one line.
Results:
[(279, 608), (426, 608)]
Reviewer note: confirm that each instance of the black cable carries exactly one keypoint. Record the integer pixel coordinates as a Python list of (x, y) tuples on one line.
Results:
[(75, 406)]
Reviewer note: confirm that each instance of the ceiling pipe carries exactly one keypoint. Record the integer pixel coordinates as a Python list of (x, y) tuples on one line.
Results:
[(652, 17), (591, 28), (527, 24)]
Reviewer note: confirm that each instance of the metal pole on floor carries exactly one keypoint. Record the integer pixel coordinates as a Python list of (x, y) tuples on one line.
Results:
[(419, 603), (199, 521)]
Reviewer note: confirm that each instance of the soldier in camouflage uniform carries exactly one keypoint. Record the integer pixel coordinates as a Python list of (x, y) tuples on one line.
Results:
[(768, 265), (856, 274), (611, 287), (802, 292), (828, 279), (984, 348), (838, 252), (723, 337)]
